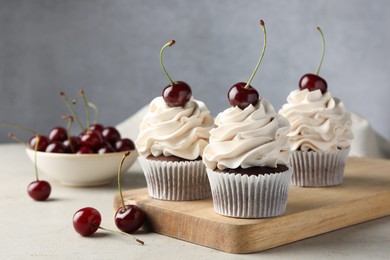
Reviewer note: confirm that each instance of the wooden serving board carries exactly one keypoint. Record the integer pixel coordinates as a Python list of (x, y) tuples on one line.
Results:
[(364, 195)]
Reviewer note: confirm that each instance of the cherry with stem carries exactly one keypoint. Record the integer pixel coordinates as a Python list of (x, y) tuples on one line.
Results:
[(243, 94), (128, 218), (177, 93), (38, 190), (314, 82)]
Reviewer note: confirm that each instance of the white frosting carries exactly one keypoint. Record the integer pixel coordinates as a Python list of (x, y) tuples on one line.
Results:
[(178, 131), (318, 121), (254, 136)]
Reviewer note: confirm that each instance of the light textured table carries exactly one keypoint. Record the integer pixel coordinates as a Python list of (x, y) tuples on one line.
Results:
[(43, 230)]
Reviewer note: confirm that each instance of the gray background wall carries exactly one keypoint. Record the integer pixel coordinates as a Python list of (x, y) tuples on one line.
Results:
[(110, 48)]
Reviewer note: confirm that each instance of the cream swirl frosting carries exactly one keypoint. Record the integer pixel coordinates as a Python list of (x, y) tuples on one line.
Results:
[(318, 121), (250, 137), (178, 131)]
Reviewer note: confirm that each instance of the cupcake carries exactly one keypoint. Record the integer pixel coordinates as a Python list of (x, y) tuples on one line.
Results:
[(320, 133), (173, 135), (247, 157)]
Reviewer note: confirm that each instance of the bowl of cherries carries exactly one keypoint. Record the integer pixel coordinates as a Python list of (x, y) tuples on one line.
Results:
[(89, 158)]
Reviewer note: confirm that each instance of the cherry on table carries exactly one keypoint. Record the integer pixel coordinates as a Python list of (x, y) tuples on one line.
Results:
[(39, 190), (86, 221), (128, 218)]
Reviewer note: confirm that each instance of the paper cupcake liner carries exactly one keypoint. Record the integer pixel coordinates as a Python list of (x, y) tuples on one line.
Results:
[(318, 169), (243, 196), (185, 180)]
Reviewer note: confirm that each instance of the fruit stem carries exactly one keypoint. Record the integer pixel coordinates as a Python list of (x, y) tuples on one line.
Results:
[(119, 177), (17, 139), (86, 107), (19, 127), (323, 50), (65, 98), (70, 121), (261, 56), (123, 233), (35, 156), (95, 110), (172, 42)]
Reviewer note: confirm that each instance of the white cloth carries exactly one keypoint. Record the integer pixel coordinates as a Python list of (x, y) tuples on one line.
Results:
[(366, 142)]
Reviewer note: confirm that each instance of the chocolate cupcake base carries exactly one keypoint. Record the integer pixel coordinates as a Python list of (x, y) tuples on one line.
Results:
[(175, 180), (254, 196)]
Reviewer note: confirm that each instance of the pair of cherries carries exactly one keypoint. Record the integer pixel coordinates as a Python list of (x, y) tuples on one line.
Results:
[(128, 218), (243, 94), (240, 94)]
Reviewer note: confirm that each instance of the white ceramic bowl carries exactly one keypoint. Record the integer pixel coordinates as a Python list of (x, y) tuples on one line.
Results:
[(81, 170)]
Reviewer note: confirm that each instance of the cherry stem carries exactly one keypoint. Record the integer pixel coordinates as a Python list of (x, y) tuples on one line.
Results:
[(323, 50), (65, 98), (19, 127), (119, 178), (123, 233), (17, 139), (95, 110), (172, 42), (86, 107), (70, 121), (35, 156), (261, 56)]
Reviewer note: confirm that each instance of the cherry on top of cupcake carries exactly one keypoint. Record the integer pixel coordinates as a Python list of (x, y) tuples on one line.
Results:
[(177, 93), (243, 94), (311, 81)]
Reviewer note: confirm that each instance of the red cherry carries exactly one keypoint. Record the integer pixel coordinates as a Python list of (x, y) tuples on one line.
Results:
[(243, 94), (58, 134), (177, 94), (55, 147), (42, 145), (86, 221), (92, 139), (72, 145), (242, 97), (39, 190), (111, 135), (313, 82), (84, 150), (129, 219), (124, 145), (106, 147), (96, 127)]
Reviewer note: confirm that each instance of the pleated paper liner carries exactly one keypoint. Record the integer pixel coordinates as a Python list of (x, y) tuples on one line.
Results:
[(318, 169), (243, 196), (184, 180)]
